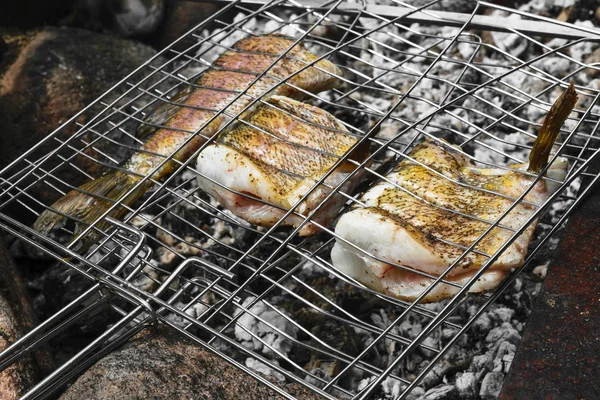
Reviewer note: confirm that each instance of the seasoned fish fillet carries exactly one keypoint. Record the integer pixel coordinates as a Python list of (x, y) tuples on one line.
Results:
[(172, 124), (434, 205), (428, 232), (287, 150)]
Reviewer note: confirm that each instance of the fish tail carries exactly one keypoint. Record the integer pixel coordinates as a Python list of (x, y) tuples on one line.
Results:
[(85, 205), (560, 110)]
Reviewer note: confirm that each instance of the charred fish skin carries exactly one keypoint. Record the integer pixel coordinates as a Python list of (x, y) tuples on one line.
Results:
[(277, 157), (231, 73)]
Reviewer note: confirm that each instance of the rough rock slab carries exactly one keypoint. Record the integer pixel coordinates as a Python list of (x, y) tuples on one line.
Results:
[(16, 319), (560, 352), (160, 364), (57, 73)]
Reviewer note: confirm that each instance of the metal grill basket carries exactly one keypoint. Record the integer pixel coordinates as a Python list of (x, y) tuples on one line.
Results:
[(267, 294)]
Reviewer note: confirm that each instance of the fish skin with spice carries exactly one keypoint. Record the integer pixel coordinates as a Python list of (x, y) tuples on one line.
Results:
[(231, 73), (277, 156), (435, 204)]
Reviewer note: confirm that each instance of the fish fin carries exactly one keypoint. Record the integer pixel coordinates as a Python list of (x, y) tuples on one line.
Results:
[(84, 206), (560, 110)]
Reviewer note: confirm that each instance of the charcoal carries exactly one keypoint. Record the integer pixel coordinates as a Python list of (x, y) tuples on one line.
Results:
[(491, 385), (416, 393), (504, 332), (249, 328), (466, 385), (442, 392), (482, 362), (456, 359)]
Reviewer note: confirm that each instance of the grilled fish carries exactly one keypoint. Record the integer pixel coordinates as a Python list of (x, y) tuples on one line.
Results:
[(274, 158), (231, 73), (435, 204)]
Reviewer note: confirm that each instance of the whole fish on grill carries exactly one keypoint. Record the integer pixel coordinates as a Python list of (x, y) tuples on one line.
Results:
[(435, 204), (193, 108), (261, 167)]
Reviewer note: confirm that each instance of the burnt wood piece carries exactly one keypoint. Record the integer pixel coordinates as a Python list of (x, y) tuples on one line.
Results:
[(560, 352)]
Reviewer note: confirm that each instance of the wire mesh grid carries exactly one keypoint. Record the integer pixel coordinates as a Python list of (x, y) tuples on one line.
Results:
[(267, 297)]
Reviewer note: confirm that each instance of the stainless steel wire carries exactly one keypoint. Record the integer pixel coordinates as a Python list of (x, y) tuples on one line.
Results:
[(402, 83)]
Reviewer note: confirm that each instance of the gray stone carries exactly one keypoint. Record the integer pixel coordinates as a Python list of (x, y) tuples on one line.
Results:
[(16, 319), (491, 385), (160, 364), (56, 73)]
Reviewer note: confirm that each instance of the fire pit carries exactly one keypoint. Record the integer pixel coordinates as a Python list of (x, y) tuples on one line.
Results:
[(268, 301)]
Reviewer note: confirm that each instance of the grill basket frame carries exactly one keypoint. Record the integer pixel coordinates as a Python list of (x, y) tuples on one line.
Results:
[(237, 280)]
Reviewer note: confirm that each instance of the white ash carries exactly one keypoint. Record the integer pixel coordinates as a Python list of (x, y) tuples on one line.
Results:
[(364, 383), (541, 270), (309, 270), (257, 336), (416, 393), (439, 393), (194, 311), (140, 220), (147, 280), (392, 388), (198, 309), (264, 369), (561, 3), (466, 50), (178, 319), (509, 42), (556, 66), (166, 256), (466, 384)]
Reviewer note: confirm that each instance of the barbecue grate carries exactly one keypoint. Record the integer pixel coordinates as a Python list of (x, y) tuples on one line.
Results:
[(267, 295)]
